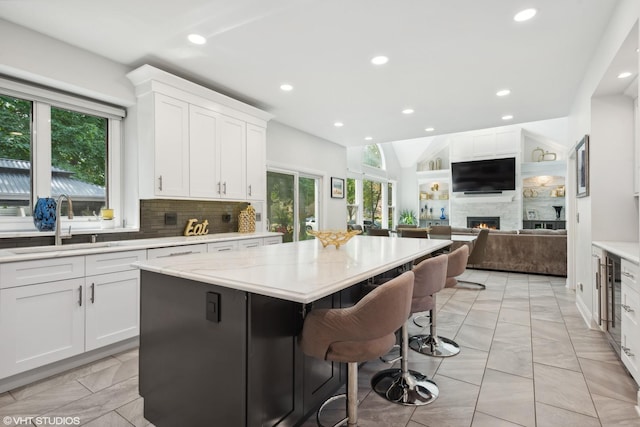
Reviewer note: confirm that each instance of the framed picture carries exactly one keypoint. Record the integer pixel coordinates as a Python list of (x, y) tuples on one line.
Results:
[(582, 167), (337, 188), (532, 214)]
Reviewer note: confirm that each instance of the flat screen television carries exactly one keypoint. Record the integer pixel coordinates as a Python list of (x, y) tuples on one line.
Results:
[(484, 176)]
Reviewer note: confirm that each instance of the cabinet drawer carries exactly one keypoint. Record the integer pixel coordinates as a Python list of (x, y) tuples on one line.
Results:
[(176, 251), (39, 271), (272, 240), (222, 246), (630, 307), (630, 353), (113, 262), (250, 243), (629, 274)]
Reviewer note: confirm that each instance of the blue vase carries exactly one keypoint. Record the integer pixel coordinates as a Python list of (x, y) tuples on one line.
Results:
[(442, 215), (44, 214)]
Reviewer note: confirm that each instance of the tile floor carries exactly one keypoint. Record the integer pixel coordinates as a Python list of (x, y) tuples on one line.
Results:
[(527, 359)]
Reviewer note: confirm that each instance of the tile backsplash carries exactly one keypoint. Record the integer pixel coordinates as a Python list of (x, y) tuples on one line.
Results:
[(152, 222)]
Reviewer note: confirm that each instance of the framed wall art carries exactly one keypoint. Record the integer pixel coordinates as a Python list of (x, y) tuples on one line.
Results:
[(582, 167), (337, 188)]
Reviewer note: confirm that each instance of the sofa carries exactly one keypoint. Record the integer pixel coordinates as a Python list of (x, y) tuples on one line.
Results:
[(523, 251)]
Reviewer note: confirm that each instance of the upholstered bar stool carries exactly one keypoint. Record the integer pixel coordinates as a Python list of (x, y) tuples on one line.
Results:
[(455, 266), (405, 386), (431, 284), (357, 334), (379, 232)]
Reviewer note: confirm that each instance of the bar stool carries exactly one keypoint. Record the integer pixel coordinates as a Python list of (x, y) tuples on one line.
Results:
[(405, 386), (357, 334), (432, 344)]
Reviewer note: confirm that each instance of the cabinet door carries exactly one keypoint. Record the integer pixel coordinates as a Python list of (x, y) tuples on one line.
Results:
[(203, 156), (112, 308), (176, 251), (171, 131), (40, 324), (232, 153), (256, 162)]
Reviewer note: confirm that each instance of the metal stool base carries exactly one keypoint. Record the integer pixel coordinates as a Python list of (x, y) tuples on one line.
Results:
[(328, 401), (470, 285), (440, 347), (412, 389)]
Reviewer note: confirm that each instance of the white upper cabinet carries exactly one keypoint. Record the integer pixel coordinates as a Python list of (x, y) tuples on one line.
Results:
[(203, 152), (489, 144), (256, 162), (195, 143), (171, 133), (233, 154)]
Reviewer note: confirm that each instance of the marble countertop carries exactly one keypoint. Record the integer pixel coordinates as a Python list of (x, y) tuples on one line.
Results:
[(42, 252), (627, 250), (301, 271)]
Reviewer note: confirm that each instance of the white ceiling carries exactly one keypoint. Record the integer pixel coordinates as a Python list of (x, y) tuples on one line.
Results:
[(447, 58)]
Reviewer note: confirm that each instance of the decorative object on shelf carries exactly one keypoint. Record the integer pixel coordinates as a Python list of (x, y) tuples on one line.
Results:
[(558, 211), (247, 220), (532, 214), (438, 163), (548, 157), (333, 237), (435, 186), (536, 157), (44, 214), (193, 228), (337, 188), (430, 212), (423, 195), (527, 192), (431, 165), (560, 191), (442, 214), (582, 167)]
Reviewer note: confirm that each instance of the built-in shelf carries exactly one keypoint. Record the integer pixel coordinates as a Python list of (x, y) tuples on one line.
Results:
[(553, 168), (484, 198)]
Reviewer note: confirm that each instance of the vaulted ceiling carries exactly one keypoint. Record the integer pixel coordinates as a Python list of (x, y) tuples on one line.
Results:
[(447, 59)]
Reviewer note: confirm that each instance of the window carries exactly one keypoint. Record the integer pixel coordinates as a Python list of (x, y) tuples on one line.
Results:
[(372, 156), (371, 203), (52, 144)]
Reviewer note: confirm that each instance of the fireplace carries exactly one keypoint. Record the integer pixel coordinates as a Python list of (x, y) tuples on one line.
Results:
[(490, 222)]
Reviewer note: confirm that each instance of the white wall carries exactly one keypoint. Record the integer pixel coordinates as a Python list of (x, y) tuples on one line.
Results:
[(580, 117), (37, 58), (295, 150)]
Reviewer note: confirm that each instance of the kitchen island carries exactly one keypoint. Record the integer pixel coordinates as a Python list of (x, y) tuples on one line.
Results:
[(218, 341)]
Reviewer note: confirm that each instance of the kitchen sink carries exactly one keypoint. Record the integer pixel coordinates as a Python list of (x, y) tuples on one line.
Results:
[(61, 248)]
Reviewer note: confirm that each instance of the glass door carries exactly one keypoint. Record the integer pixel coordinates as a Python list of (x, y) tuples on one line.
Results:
[(292, 204)]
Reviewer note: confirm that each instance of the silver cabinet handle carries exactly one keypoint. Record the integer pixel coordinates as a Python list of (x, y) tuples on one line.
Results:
[(629, 275), (249, 189), (160, 183), (224, 186), (80, 295), (627, 351), (219, 188), (93, 293), (627, 308)]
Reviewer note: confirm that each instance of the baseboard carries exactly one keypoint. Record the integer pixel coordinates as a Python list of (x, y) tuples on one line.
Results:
[(586, 314)]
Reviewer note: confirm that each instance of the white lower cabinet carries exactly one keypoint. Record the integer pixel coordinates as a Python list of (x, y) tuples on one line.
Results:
[(45, 322), (176, 251), (40, 324), (222, 246), (630, 322)]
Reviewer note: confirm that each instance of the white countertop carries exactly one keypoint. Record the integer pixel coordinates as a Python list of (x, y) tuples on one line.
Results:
[(627, 250), (40, 252), (301, 271)]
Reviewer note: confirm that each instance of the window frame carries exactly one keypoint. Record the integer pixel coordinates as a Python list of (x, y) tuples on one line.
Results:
[(42, 100)]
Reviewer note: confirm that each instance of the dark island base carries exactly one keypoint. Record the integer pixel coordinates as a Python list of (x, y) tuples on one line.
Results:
[(244, 370)]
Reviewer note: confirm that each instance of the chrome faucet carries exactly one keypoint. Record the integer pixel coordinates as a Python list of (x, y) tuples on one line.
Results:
[(58, 235)]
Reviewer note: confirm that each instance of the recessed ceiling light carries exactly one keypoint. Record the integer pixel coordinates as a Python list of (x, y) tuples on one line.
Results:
[(525, 15), (368, 138), (197, 39), (507, 117), (338, 124), (624, 75), (379, 60), (286, 87), (503, 92), (429, 129), (407, 111)]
